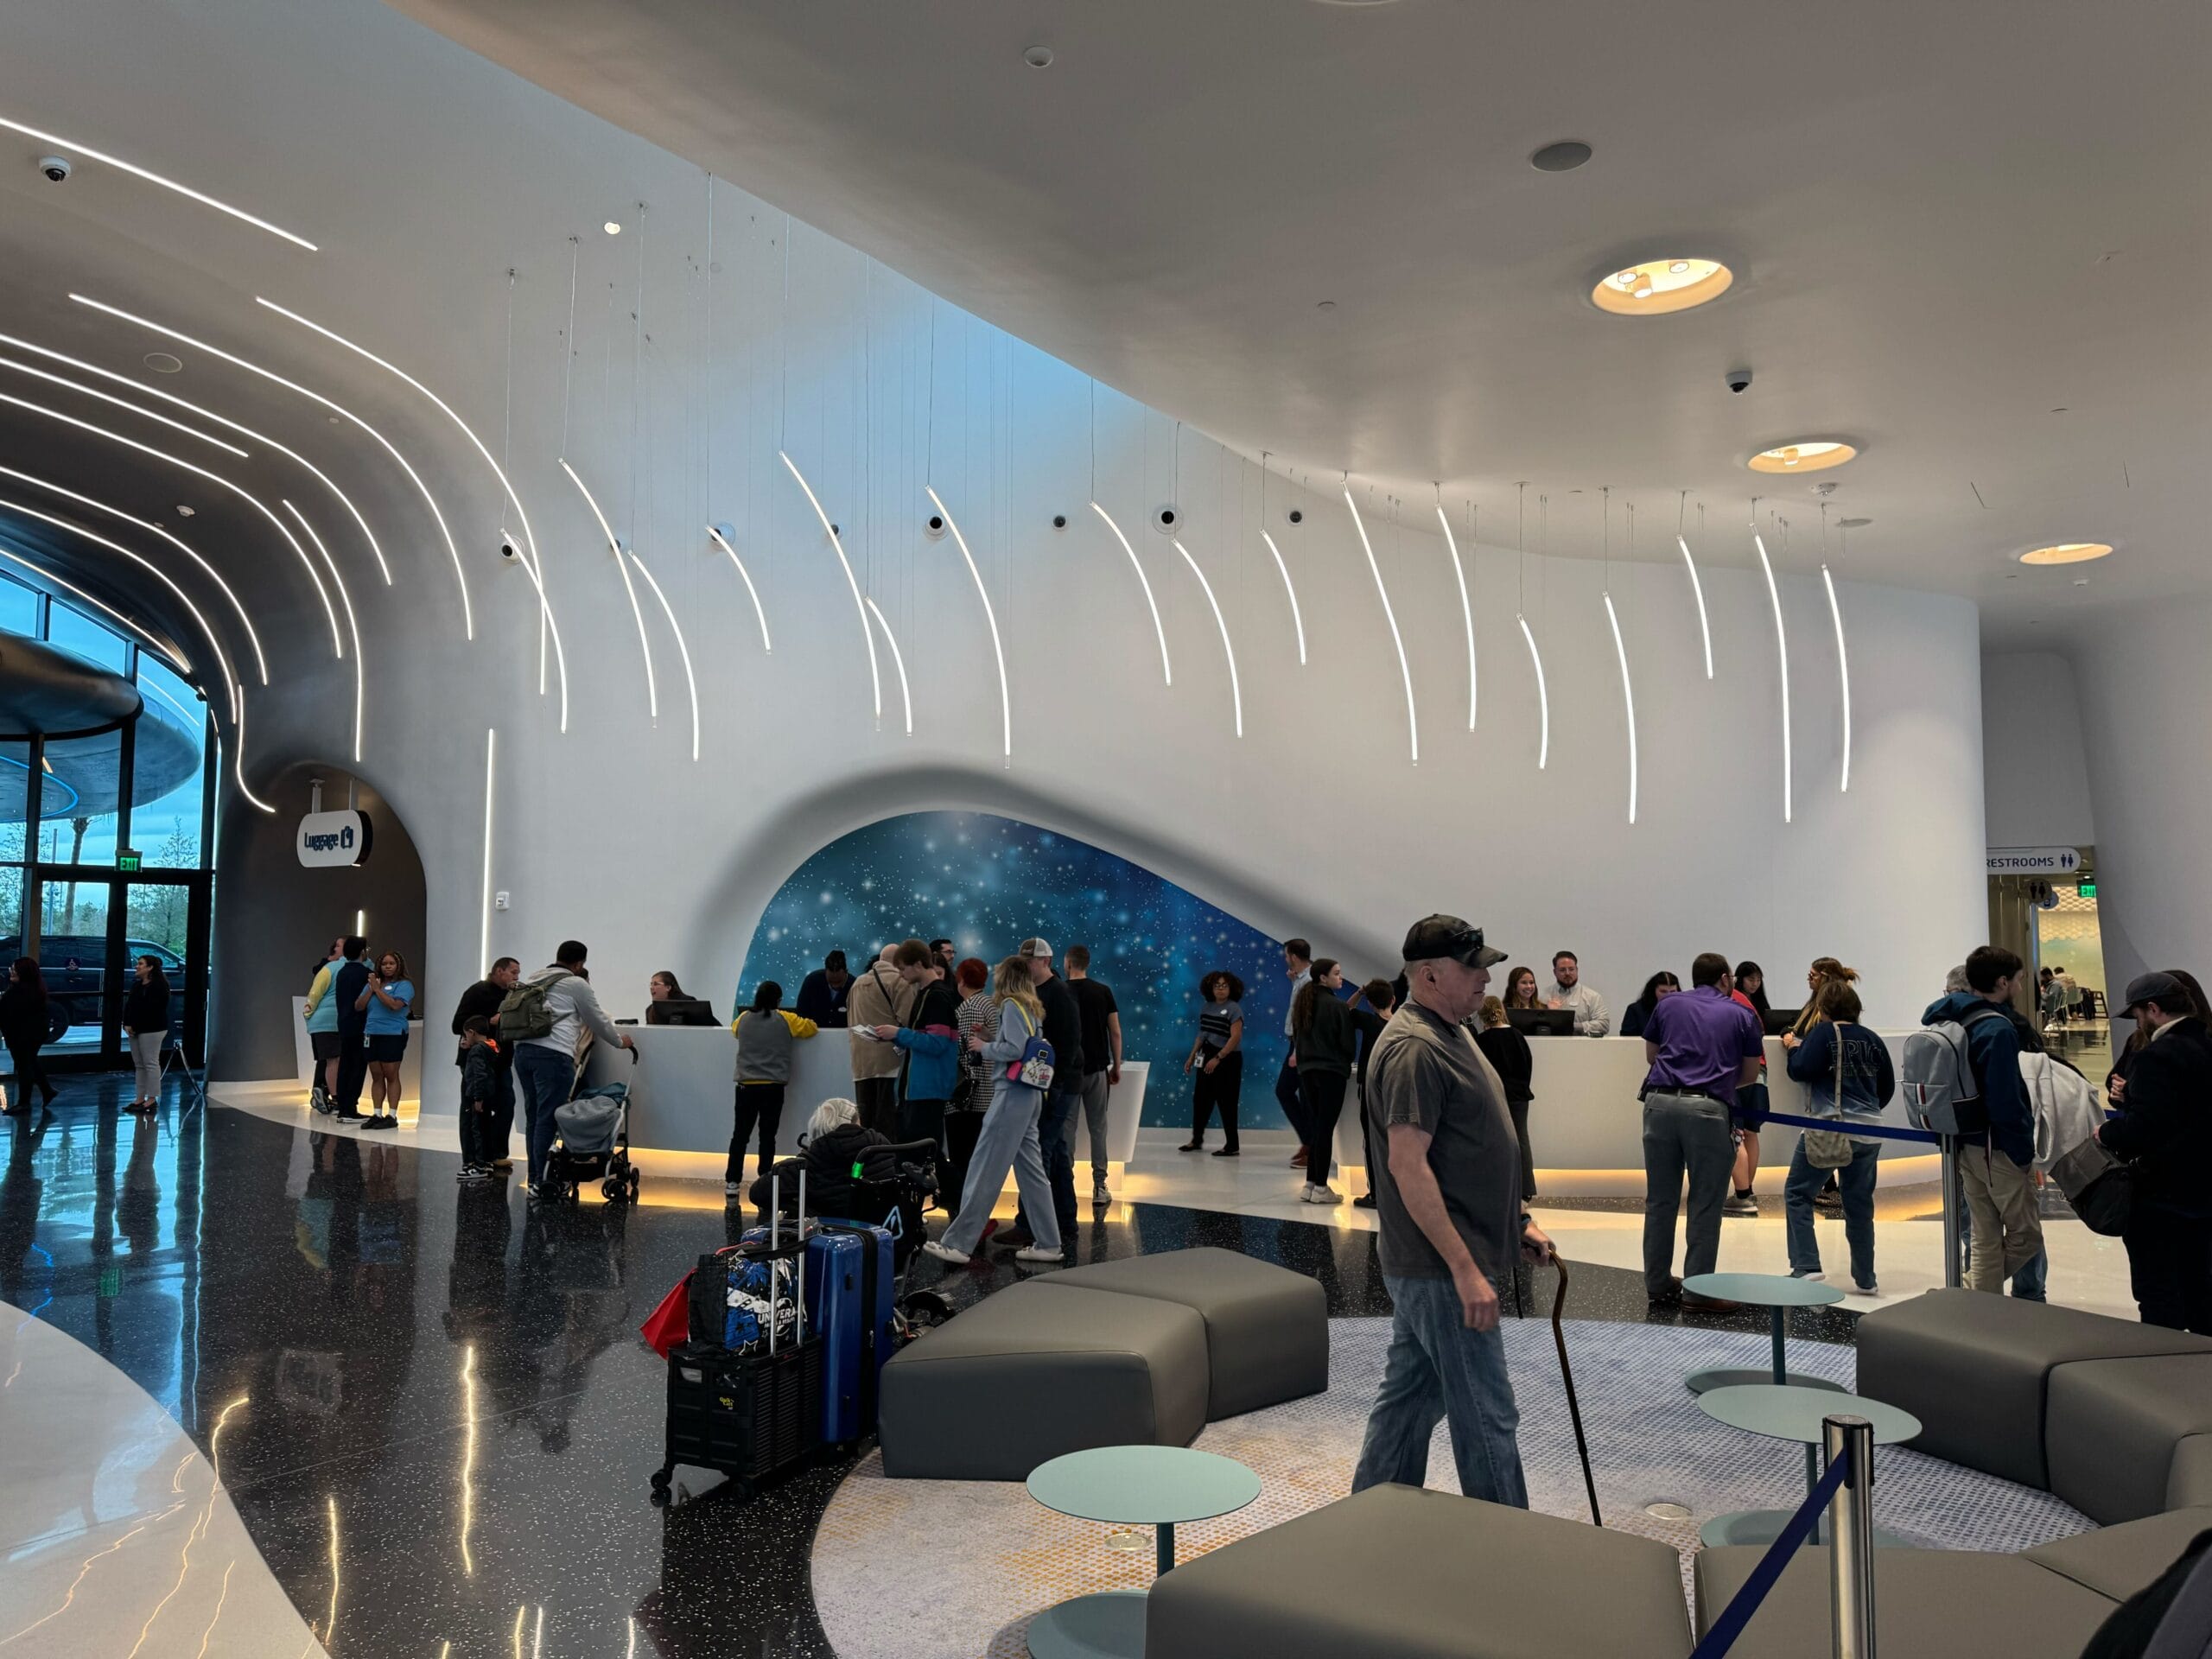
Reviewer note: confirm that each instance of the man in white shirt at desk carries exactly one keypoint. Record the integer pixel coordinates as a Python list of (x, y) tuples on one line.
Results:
[(1592, 1018)]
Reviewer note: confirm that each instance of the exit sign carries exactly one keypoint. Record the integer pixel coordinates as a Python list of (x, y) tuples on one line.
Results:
[(2086, 889), (127, 861)]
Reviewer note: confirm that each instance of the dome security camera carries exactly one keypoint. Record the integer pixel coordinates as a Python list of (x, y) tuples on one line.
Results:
[(1166, 519), (54, 169), (1059, 521), (510, 550), (1295, 516), (933, 526), (1739, 380)]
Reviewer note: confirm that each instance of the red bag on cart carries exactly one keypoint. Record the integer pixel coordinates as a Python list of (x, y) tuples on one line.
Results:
[(669, 1326)]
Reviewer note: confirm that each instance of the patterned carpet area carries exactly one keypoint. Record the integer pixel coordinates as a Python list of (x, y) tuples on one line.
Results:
[(908, 1569)]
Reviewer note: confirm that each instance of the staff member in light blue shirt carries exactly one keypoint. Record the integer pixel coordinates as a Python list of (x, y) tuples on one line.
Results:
[(388, 998)]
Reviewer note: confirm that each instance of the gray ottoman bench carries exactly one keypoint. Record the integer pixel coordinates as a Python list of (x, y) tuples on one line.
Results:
[(1031, 1373), (2120, 1561), (2112, 1427), (1266, 1327), (2189, 1481), (1397, 1573), (1974, 1369)]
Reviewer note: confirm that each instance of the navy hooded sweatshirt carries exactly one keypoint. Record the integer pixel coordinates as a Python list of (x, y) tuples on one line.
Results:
[(1993, 1051)]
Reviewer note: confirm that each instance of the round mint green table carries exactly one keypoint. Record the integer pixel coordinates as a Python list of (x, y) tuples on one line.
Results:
[(1784, 1412), (1775, 1291), (1155, 1487)]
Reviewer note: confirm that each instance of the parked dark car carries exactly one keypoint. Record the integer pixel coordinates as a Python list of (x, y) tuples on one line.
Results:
[(75, 968)]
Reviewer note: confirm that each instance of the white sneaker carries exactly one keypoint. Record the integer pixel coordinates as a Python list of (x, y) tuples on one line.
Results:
[(946, 1252), (733, 1189), (1319, 1195), (1036, 1253)]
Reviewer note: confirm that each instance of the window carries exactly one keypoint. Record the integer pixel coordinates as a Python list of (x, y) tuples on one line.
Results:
[(18, 608), (80, 636), (170, 760), (77, 798)]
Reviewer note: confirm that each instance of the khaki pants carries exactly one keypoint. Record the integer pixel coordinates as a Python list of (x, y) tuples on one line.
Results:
[(2007, 1233)]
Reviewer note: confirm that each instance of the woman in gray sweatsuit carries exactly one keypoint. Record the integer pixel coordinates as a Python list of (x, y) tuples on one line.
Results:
[(1008, 1140)]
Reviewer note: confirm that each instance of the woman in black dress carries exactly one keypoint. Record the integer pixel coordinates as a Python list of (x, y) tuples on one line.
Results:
[(1507, 1051), (22, 1027)]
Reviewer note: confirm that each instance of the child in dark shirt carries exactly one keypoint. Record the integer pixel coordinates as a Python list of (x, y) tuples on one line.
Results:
[(480, 1090)]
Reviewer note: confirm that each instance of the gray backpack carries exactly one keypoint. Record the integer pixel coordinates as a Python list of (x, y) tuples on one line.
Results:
[(1936, 1079)]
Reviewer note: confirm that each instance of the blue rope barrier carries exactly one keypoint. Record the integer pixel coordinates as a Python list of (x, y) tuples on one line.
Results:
[(1853, 1126), (1737, 1613)]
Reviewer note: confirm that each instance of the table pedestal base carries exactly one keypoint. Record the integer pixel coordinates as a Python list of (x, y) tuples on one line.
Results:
[(1701, 1382), (1106, 1626), (1764, 1526)]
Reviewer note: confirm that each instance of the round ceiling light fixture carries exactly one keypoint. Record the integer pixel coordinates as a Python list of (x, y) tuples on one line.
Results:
[(1561, 157), (1038, 57), (1654, 287), (1806, 455), (613, 227), (184, 512), (2066, 553), (163, 362)]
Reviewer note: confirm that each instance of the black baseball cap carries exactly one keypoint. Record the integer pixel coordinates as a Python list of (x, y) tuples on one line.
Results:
[(1433, 936), (2161, 988)]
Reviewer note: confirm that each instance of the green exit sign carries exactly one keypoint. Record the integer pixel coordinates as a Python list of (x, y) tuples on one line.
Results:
[(127, 861), (2086, 889)]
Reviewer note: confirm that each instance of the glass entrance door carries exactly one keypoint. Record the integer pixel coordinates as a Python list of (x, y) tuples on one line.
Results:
[(94, 925)]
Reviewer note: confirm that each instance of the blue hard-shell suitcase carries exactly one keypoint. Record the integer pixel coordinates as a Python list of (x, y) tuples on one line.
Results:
[(850, 1281)]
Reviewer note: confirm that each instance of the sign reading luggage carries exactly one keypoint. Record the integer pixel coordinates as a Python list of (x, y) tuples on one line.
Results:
[(332, 840), (2034, 861)]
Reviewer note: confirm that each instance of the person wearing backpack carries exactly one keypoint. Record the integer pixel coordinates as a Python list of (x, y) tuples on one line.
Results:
[(545, 1017), (2166, 1126), (1009, 1139), (1996, 1124)]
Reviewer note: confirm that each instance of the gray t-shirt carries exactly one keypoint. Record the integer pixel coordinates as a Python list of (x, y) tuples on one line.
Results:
[(1427, 1072), (1217, 1021)]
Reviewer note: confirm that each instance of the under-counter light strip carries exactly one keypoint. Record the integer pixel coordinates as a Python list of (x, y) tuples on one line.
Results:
[(467, 614), (1628, 701), (352, 627), (1167, 674), (1697, 587), (1782, 649), (1843, 668), (682, 649), (1405, 670), (122, 403), (614, 546), (1543, 696), (151, 177), (214, 575), (491, 763), (1235, 691), (898, 661), (874, 672), (745, 575), (1005, 699), (1296, 621), (1466, 609), (337, 642)]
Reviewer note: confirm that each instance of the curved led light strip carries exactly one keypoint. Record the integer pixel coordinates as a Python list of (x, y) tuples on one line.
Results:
[(898, 661), (1782, 649), (745, 575), (1166, 676), (874, 673), (1543, 696), (467, 614), (1297, 621), (491, 760), (230, 680), (1704, 628), (1405, 670), (337, 643), (220, 420), (1236, 692), (1628, 701), (122, 403), (151, 177), (614, 546), (1466, 609), (682, 650), (1005, 699), (214, 574), (352, 627), (1843, 667)]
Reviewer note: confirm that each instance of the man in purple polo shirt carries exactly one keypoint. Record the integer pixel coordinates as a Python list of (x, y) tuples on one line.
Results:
[(1701, 1047)]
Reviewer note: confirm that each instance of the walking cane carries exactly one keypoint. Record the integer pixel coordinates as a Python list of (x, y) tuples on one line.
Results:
[(1566, 1376)]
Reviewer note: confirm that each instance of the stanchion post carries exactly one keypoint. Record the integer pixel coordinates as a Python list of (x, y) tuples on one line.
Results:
[(1953, 1201), (1851, 1536)]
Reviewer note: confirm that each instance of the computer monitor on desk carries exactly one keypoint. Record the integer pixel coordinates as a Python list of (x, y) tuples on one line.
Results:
[(680, 1011), (1779, 1021), (1542, 1022)]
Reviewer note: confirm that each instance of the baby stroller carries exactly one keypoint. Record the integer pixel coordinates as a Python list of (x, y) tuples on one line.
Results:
[(591, 1142)]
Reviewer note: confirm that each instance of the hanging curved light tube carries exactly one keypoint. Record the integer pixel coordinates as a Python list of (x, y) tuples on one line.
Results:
[(1405, 670), (1167, 675), (1006, 700), (1628, 701), (1843, 668), (682, 650), (337, 643), (1782, 649), (1296, 621), (136, 172), (491, 758), (124, 403), (723, 535), (614, 546), (467, 614), (1236, 692), (1543, 696), (1697, 587), (352, 627), (874, 672), (214, 575), (1466, 609), (898, 661)]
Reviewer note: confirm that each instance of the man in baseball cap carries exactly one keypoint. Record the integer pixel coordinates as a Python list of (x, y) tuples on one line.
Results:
[(1448, 1201), (2165, 1127)]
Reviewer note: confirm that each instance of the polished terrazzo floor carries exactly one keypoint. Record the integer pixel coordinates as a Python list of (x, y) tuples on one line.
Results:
[(448, 1421)]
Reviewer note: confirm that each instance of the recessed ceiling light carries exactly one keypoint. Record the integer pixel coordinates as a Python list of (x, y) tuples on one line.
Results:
[(2066, 553), (1806, 455), (1658, 286), (613, 227), (162, 362), (184, 512), (1038, 57), (1562, 157)]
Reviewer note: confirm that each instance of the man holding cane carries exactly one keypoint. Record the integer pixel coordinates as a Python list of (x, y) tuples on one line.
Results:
[(1448, 1200)]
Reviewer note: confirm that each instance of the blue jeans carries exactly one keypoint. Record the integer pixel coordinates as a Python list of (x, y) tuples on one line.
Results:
[(1055, 1135), (1437, 1368), (542, 1077), (1855, 1180), (2030, 1283)]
